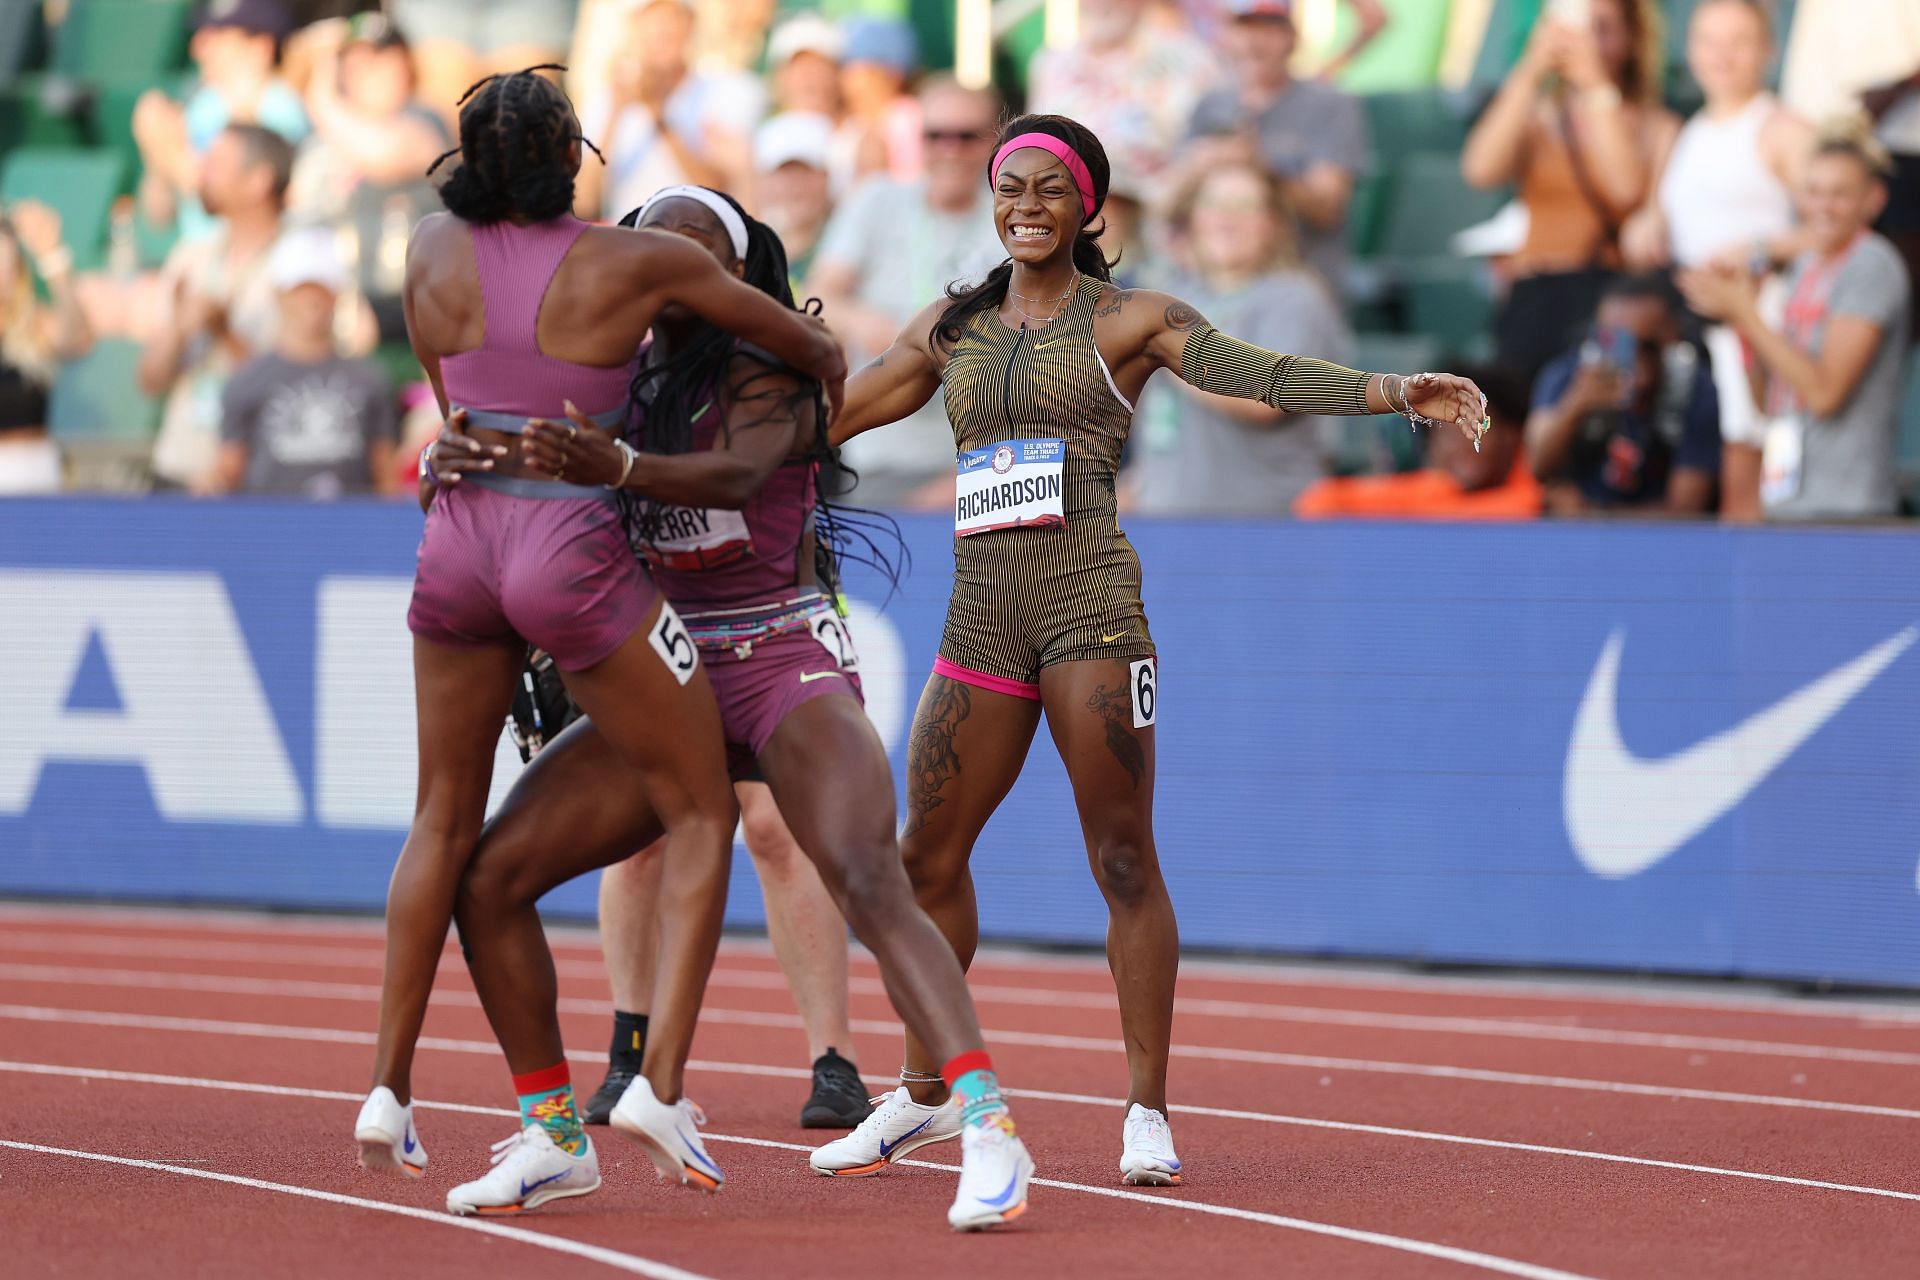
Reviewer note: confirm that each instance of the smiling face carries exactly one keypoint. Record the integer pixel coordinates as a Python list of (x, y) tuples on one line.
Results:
[(1036, 206), (1839, 198)]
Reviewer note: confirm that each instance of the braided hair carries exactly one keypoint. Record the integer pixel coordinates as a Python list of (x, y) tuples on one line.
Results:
[(966, 301), (516, 133), (701, 378)]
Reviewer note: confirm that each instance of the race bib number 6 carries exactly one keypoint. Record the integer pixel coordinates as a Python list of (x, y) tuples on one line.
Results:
[(1014, 484), (673, 644), (1145, 682)]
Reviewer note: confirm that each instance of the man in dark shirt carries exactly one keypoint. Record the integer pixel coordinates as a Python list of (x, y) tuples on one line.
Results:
[(302, 420), (1629, 420)]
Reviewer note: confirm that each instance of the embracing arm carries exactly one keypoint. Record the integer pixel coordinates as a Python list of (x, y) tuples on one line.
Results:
[(897, 383), (770, 410), (676, 269)]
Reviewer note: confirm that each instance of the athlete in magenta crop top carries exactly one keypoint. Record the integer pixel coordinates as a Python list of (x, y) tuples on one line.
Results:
[(728, 522), (517, 309)]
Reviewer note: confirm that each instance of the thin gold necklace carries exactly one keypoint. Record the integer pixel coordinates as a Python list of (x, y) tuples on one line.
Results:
[(1072, 288)]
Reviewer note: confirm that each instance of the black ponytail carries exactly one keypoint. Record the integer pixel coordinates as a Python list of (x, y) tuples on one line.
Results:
[(967, 301), (514, 134)]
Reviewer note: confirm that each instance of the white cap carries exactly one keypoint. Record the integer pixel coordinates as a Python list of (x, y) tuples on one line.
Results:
[(803, 136), (307, 255), (805, 33)]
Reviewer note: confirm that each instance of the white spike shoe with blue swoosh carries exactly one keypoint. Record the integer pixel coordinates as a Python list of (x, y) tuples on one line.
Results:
[(994, 1171), (528, 1170), (1146, 1149), (670, 1136), (388, 1141), (898, 1127)]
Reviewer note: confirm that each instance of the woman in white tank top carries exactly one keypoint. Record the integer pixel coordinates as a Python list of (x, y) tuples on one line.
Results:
[(1725, 192)]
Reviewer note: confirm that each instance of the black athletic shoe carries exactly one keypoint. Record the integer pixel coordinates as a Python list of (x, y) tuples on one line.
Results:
[(600, 1106), (839, 1100)]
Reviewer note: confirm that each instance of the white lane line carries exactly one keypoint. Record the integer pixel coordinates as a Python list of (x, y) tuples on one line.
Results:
[(1403, 1244), (158, 1022), (1896, 1008), (1039, 1095), (67, 975), (627, 1262)]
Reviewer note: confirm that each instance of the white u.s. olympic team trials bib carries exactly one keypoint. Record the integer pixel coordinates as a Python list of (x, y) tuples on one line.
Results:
[(1014, 484)]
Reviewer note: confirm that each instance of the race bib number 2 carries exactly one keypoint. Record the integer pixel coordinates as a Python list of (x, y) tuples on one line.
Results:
[(1013, 484), (831, 631), (675, 647)]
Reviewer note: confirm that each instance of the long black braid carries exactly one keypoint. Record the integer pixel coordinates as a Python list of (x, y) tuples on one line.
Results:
[(967, 301), (702, 377), (515, 131)]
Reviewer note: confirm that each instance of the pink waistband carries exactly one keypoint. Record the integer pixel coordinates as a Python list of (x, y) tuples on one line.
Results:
[(981, 680)]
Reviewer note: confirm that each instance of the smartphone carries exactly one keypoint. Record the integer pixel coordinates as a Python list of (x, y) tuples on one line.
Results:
[(1577, 12)]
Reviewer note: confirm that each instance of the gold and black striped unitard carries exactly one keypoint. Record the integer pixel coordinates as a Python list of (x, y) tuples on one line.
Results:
[(1024, 599), (1027, 598)]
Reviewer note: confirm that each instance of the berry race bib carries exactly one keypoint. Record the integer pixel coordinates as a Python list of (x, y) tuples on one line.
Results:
[(695, 539), (1014, 484)]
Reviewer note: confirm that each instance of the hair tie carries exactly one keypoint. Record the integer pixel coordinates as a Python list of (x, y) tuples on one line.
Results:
[(736, 226), (1076, 167)]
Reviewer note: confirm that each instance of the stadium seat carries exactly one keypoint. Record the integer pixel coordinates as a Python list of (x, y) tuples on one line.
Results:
[(97, 399), (1431, 202), (79, 184), (120, 41), (1364, 214), (1418, 120), (31, 116), (20, 36), (1449, 301)]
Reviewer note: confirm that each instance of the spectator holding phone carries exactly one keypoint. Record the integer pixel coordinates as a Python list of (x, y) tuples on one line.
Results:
[(1834, 365), (1579, 128), (1628, 420)]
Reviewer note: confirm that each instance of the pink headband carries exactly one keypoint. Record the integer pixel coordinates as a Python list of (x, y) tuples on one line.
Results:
[(1076, 167)]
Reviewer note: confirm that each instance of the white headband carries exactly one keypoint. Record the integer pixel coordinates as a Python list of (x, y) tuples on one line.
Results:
[(728, 215)]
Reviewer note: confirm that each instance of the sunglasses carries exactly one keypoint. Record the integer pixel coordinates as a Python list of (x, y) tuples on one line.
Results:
[(959, 137)]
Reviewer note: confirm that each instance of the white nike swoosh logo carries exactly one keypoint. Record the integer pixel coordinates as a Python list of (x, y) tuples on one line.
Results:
[(811, 676), (1625, 814)]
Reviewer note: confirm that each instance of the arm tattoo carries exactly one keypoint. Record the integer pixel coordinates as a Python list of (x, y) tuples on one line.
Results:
[(1111, 304), (1181, 317), (931, 759), (876, 362), (1117, 710)]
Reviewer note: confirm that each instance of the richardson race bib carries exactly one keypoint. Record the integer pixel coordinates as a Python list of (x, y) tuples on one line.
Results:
[(695, 539), (1010, 485)]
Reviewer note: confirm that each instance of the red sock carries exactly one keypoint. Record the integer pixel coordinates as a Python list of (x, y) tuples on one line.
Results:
[(971, 1060), (545, 1080)]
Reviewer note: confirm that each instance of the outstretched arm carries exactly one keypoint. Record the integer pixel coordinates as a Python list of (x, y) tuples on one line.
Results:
[(678, 270), (897, 383), (770, 411), (1178, 338)]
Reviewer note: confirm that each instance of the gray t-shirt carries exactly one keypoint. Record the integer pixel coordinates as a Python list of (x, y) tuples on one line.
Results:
[(1195, 460), (1847, 468), (906, 254), (1310, 124), (308, 427)]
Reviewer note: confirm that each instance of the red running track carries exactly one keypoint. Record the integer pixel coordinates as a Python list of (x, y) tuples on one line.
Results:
[(176, 1092)]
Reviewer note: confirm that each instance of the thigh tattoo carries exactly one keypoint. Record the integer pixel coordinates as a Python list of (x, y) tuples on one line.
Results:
[(931, 759), (1116, 708)]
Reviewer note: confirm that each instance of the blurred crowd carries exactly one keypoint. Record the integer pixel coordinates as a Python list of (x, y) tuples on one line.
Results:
[(1692, 313)]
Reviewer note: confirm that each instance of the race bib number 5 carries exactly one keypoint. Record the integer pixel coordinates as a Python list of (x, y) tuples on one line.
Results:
[(673, 644), (1014, 484)]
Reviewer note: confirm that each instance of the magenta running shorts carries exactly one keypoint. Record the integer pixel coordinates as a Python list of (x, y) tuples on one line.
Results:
[(498, 566), (757, 692)]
